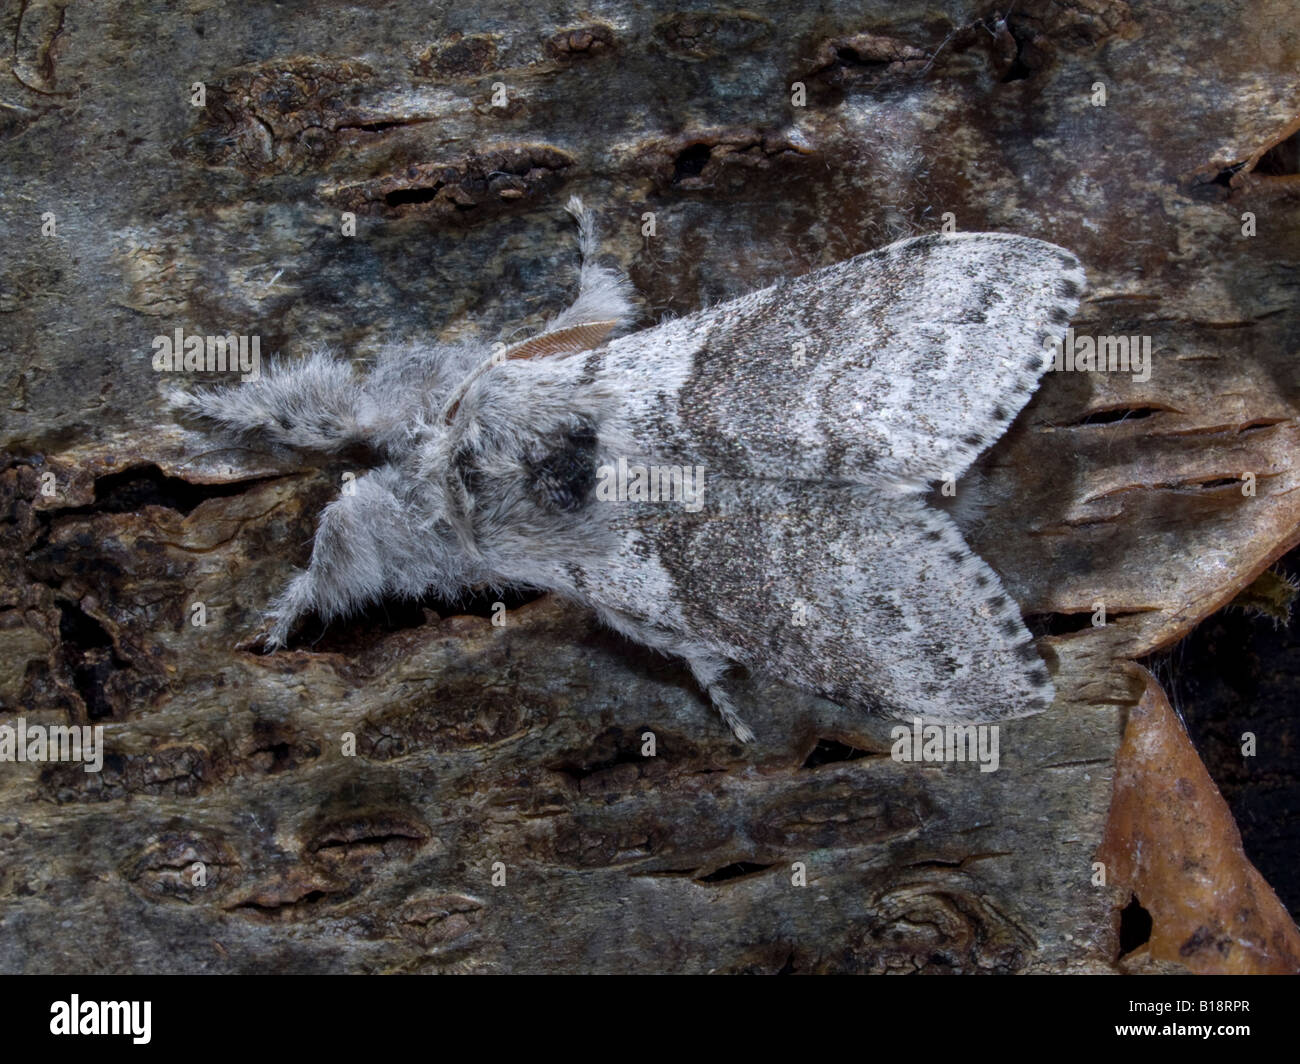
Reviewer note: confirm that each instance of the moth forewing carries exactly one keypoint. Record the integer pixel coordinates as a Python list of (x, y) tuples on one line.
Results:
[(913, 359)]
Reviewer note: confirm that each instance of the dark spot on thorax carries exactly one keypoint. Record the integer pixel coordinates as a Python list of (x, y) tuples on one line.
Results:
[(562, 476)]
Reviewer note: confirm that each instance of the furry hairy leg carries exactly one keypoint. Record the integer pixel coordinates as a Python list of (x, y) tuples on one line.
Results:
[(313, 404), (366, 547), (706, 668)]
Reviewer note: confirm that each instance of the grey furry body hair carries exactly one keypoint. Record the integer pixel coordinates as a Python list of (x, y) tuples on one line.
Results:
[(814, 556)]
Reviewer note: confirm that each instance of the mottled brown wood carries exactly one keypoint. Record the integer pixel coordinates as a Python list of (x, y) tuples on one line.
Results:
[(1172, 841), (522, 745)]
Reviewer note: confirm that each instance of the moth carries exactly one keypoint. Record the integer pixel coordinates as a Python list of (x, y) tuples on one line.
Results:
[(819, 410)]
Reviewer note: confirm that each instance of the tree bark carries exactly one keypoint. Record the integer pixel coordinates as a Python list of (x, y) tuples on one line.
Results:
[(1165, 157)]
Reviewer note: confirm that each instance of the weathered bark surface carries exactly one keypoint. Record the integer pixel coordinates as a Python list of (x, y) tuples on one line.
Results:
[(521, 745)]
